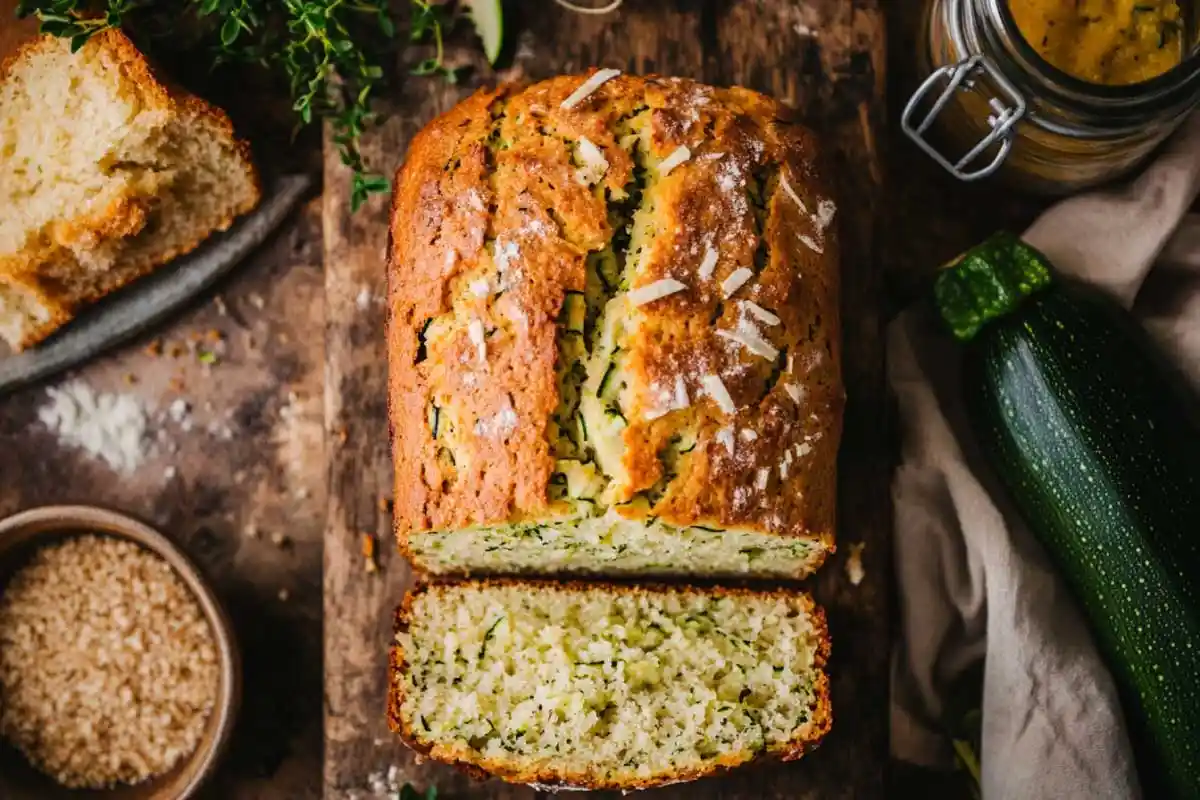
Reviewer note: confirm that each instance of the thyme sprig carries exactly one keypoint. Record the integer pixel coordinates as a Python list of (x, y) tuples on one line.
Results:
[(432, 21)]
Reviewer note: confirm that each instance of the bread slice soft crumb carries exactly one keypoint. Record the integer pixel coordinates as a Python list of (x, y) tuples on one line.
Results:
[(105, 174), (605, 686)]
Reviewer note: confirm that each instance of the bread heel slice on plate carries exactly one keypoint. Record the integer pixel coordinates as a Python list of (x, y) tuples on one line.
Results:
[(105, 174), (613, 340), (601, 686)]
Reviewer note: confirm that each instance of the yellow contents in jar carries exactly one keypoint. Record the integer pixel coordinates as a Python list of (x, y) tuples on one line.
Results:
[(1109, 42)]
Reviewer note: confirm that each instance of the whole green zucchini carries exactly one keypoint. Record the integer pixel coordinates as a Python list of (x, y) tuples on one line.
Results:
[(1097, 440)]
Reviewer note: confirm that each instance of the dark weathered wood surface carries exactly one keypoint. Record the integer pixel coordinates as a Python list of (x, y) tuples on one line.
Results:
[(204, 488), (827, 58)]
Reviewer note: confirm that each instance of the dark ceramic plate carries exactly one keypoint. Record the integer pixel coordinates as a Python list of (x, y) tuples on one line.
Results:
[(147, 302)]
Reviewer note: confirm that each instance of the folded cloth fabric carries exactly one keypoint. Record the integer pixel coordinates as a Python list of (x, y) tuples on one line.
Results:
[(973, 582)]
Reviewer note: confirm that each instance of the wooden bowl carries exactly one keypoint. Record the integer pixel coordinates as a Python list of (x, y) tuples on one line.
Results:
[(23, 533)]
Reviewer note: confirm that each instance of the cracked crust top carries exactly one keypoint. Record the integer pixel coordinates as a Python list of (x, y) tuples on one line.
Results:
[(495, 213)]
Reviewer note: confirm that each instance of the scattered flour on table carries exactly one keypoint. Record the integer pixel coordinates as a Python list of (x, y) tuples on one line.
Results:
[(854, 564), (122, 430), (364, 298), (110, 427)]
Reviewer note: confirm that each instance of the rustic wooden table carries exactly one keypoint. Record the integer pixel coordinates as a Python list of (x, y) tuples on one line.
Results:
[(283, 437), (246, 456)]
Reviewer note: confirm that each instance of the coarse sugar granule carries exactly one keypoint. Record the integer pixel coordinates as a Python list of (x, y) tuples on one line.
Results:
[(108, 666)]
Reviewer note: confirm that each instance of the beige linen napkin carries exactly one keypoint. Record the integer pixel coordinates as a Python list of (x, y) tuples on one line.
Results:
[(973, 582)]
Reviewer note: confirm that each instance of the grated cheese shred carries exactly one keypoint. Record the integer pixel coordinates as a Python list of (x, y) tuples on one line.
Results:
[(678, 156), (709, 264), (681, 393), (715, 388), (760, 313), (594, 162), (787, 187), (811, 244), (655, 291), (749, 339), (761, 478), (585, 90), (736, 280), (475, 332), (785, 464)]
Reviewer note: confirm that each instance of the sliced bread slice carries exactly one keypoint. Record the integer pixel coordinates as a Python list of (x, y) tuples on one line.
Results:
[(602, 686), (105, 174)]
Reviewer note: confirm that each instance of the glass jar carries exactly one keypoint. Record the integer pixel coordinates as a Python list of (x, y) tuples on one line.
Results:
[(1000, 108)]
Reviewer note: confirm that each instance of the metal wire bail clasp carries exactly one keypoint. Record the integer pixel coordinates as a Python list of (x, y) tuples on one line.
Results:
[(1008, 108)]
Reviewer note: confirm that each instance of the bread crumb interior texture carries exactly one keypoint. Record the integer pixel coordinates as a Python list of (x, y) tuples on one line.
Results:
[(104, 174), (74, 137), (634, 436), (634, 683), (618, 545)]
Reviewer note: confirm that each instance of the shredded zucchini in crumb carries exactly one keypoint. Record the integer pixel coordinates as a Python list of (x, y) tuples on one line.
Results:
[(646, 683), (580, 543)]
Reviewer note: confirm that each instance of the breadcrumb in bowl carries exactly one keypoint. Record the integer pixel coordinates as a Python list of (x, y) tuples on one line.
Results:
[(36, 548)]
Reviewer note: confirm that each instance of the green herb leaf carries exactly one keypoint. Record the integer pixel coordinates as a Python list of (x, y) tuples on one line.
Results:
[(386, 26), (229, 31), (407, 792), (427, 67), (364, 186)]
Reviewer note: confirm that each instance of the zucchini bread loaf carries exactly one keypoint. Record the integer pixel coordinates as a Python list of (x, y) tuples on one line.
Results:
[(613, 334), (105, 174), (607, 687)]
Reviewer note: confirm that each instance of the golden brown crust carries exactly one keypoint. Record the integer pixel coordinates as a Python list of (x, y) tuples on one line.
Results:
[(807, 739), (48, 269), (498, 173)]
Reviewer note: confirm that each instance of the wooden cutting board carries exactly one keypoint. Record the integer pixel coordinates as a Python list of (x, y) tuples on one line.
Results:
[(826, 57)]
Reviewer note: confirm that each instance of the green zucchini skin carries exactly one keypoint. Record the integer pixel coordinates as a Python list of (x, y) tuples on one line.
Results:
[(1098, 443)]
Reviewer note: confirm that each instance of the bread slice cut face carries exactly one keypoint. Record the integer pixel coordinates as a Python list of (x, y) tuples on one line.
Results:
[(105, 174), (607, 687)]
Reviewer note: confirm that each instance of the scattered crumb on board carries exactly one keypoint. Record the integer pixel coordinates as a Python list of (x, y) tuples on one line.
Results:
[(368, 551), (854, 565)]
